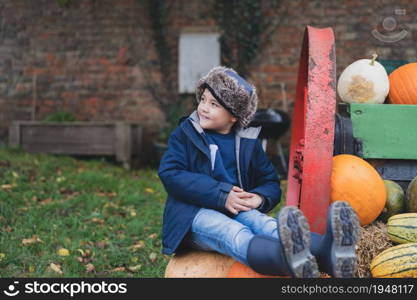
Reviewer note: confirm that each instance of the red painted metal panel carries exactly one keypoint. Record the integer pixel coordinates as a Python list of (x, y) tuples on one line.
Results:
[(312, 133)]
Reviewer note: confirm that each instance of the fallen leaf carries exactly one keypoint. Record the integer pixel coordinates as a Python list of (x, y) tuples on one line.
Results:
[(34, 239), (63, 252), (153, 235), (31, 269), (133, 213), (15, 175), (97, 220), (118, 269), (60, 179), (90, 268), (56, 268), (85, 253), (149, 190), (134, 268), (6, 186), (153, 256), (101, 244), (137, 246), (46, 201)]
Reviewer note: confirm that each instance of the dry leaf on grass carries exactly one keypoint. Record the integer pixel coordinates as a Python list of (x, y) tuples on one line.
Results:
[(97, 220), (34, 239), (63, 252), (85, 253), (118, 269), (137, 246), (134, 268), (56, 268), (90, 268), (149, 190), (153, 256), (8, 186), (153, 235), (46, 201), (102, 244)]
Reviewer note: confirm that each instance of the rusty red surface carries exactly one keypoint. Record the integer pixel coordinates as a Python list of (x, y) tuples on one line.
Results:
[(312, 133)]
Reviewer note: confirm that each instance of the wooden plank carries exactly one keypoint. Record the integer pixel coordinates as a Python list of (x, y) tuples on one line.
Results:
[(14, 134), (62, 135), (136, 139), (69, 140), (69, 149), (123, 143), (120, 139)]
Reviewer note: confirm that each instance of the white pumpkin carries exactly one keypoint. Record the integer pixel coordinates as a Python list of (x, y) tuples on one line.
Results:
[(364, 81)]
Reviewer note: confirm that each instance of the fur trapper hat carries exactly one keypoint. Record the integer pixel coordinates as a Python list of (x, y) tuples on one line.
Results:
[(232, 91)]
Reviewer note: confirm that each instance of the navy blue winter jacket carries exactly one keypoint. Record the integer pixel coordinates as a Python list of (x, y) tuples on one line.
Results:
[(186, 173)]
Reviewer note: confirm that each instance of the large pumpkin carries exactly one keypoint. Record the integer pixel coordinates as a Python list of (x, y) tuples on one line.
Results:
[(363, 81), (198, 264), (411, 196), (239, 270), (357, 182), (403, 85), (395, 203)]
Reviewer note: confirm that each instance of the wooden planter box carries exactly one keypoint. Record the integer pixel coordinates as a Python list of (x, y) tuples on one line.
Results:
[(119, 139)]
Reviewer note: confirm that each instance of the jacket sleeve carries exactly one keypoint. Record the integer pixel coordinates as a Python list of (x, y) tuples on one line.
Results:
[(195, 188), (265, 179)]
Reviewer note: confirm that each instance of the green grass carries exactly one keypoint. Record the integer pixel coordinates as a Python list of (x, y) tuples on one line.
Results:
[(109, 219), (95, 210)]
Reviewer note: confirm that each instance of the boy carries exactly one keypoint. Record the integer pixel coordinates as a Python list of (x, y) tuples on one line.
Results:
[(220, 184)]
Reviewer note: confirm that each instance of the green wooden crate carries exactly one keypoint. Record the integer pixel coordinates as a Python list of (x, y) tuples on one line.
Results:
[(387, 131)]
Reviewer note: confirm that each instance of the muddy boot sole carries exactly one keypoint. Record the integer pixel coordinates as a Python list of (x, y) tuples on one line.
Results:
[(294, 235), (345, 230)]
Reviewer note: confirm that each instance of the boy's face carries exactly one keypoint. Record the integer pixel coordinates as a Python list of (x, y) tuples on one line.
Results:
[(213, 115)]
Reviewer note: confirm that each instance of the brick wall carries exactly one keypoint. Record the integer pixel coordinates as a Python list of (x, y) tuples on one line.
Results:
[(86, 58)]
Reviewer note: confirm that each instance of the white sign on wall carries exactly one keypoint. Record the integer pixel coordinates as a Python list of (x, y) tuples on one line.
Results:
[(198, 54)]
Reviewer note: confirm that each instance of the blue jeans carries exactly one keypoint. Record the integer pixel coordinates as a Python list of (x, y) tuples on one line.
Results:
[(213, 231)]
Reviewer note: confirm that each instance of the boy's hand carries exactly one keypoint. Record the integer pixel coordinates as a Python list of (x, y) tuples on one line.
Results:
[(234, 203), (252, 200), (242, 201)]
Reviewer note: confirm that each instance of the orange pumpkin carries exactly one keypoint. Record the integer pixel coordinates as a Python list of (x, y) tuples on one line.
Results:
[(403, 85), (239, 270), (198, 264), (357, 182)]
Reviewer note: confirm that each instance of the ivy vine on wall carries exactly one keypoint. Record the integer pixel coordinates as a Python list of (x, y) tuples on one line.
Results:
[(246, 26)]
